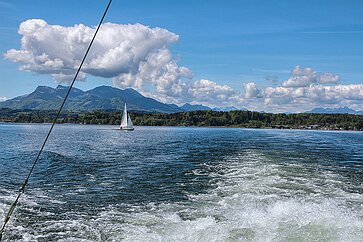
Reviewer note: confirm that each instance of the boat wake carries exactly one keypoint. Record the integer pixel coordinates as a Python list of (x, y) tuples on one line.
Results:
[(251, 198)]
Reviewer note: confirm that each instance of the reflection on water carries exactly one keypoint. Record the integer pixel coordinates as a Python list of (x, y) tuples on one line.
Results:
[(95, 183)]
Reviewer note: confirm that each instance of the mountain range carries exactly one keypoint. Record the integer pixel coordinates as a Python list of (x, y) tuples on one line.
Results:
[(99, 98), (341, 110)]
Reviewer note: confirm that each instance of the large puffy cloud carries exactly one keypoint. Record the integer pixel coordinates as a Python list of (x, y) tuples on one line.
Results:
[(133, 55), (303, 77), (118, 49)]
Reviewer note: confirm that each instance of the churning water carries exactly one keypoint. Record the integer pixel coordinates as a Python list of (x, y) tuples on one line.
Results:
[(95, 183)]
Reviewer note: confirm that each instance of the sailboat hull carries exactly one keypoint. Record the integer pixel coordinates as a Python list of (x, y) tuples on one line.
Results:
[(127, 129)]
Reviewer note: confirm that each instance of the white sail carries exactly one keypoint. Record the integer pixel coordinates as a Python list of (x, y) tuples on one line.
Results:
[(130, 125), (126, 123)]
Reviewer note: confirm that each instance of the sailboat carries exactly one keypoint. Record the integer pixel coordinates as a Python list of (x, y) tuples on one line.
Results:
[(126, 123)]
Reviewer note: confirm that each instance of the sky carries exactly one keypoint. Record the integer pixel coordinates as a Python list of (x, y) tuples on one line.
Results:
[(273, 56)]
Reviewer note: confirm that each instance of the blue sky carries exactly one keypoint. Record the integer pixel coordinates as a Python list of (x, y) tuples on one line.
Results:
[(228, 42)]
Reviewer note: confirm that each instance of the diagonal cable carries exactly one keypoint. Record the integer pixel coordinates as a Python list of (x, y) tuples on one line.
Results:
[(22, 188)]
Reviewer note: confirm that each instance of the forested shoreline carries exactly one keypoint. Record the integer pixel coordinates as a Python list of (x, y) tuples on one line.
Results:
[(238, 118)]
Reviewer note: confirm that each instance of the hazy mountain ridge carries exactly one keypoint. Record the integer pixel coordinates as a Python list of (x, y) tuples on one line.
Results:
[(339, 110)]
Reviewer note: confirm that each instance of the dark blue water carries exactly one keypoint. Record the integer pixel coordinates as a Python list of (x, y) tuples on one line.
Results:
[(95, 183)]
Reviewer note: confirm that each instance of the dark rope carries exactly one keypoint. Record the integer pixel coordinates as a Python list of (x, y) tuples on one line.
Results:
[(22, 188)]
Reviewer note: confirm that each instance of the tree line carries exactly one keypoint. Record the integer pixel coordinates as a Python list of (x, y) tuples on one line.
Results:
[(237, 118)]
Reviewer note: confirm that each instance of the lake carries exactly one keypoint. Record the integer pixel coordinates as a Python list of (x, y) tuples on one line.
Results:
[(95, 183)]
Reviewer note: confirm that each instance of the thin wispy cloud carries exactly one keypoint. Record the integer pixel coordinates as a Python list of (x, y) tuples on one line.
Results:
[(272, 71), (332, 32), (7, 4)]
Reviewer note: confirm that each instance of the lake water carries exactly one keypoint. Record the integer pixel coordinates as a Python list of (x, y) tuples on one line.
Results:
[(95, 183)]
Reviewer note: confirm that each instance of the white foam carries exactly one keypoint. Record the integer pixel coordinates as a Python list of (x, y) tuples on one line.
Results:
[(252, 199)]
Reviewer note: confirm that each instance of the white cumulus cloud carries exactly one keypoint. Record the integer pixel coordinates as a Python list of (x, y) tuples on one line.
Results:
[(251, 91), (304, 98), (303, 77), (307, 89), (118, 49), (210, 93)]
